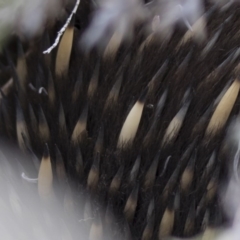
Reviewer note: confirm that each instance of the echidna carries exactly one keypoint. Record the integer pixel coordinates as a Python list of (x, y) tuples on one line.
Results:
[(130, 140)]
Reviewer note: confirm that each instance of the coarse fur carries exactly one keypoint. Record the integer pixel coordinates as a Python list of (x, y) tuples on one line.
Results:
[(140, 131)]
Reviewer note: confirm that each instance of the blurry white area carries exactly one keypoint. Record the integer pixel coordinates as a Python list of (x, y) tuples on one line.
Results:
[(121, 15), (231, 201), (171, 12), (113, 16), (231, 192), (27, 17), (23, 216)]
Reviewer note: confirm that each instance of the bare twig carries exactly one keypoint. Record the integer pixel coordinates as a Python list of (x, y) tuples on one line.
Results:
[(62, 30)]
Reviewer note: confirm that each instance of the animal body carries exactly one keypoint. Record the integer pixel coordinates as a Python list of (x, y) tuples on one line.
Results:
[(129, 142)]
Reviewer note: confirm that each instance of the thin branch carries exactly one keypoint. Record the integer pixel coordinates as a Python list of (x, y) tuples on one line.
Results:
[(63, 29)]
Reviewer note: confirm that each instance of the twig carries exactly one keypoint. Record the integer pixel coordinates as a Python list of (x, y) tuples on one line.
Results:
[(63, 29)]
